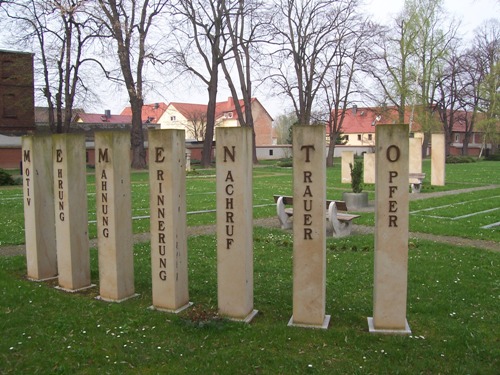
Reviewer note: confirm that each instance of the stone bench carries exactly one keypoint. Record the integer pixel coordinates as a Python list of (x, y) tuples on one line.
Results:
[(416, 180), (340, 223)]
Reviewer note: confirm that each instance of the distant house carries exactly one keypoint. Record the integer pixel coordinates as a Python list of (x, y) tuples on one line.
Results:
[(151, 113), (358, 128), (16, 92), (192, 117), (104, 119)]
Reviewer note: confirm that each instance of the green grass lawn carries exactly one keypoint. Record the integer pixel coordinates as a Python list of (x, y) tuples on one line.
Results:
[(452, 310), (453, 295), (270, 180)]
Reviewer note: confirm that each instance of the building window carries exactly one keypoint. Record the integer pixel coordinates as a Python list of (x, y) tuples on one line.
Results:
[(7, 69), (346, 137), (172, 118), (9, 106), (457, 138), (359, 137), (271, 152), (228, 114), (370, 137)]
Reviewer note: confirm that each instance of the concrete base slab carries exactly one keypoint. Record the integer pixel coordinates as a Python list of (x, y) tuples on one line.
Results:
[(75, 290), (117, 300), (326, 323), (405, 331), (42, 280), (247, 319), (177, 311)]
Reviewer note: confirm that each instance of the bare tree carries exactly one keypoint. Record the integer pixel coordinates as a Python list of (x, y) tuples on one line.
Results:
[(434, 43), (392, 69), (449, 91), (61, 31), (198, 35), (196, 125), (304, 36), (129, 23), (243, 26), (486, 49), (343, 80)]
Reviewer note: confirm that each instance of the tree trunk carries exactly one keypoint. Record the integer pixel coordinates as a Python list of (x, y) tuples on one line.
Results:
[(465, 146), (331, 149), (425, 144), (206, 156), (137, 135)]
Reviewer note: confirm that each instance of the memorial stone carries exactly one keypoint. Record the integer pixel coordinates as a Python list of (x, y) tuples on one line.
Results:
[(167, 180), (438, 160), (347, 160), (415, 155), (71, 216), (38, 187), (309, 227), (114, 216), (235, 223), (391, 231), (369, 168)]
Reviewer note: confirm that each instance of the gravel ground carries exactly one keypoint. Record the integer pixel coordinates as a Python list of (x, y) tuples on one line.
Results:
[(273, 222)]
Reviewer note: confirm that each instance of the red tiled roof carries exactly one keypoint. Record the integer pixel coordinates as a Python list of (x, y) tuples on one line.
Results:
[(188, 109), (363, 120), (96, 118), (151, 112)]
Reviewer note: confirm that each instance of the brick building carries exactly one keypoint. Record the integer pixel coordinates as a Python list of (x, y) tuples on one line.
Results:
[(16, 92)]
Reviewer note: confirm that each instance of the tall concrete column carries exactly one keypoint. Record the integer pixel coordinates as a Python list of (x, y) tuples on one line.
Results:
[(438, 159), (167, 183), (347, 158), (39, 225), (309, 227), (114, 216), (70, 189), (391, 231), (235, 223)]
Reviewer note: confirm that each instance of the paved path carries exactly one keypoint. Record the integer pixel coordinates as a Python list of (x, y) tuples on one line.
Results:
[(272, 222)]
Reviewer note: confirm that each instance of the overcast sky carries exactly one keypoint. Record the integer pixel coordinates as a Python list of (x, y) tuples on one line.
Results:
[(471, 13)]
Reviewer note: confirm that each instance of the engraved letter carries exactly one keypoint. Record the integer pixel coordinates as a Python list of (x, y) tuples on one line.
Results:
[(393, 153), (307, 219), (103, 155), (307, 176), (392, 190), (228, 153), (393, 206), (393, 221), (159, 158), (162, 275), (392, 174), (307, 151)]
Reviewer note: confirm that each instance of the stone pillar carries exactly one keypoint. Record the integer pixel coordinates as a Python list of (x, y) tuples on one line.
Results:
[(188, 159), (38, 187), (369, 168), (438, 159), (167, 181), (391, 231), (309, 227), (70, 190), (415, 155), (114, 215), (235, 223), (347, 159)]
